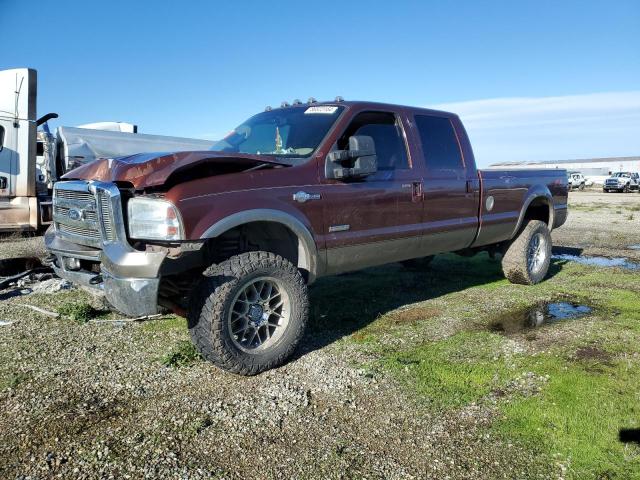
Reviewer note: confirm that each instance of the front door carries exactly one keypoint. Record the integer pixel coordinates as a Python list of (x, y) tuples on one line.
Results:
[(377, 219)]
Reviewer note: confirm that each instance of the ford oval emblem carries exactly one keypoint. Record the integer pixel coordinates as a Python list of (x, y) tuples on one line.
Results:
[(74, 214)]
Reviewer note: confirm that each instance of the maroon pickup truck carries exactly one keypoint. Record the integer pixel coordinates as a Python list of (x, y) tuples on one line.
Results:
[(232, 237)]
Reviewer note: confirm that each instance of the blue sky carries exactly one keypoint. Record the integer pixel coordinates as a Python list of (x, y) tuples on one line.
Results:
[(532, 80)]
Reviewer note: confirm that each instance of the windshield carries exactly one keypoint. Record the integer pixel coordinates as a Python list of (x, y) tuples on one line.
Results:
[(621, 174), (286, 132)]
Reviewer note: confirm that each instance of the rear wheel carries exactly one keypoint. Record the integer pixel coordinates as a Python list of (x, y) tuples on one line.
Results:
[(249, 312), (581, 187), (527, 258), (625, 189)]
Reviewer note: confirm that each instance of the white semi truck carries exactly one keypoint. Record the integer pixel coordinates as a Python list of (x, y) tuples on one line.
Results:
[(32, 158)]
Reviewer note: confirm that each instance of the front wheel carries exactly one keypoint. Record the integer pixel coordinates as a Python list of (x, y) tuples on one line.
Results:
[(527, 258), (581, 187), (249, 312)]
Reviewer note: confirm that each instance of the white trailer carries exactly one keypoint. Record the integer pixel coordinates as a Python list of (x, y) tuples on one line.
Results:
[(31, 159)]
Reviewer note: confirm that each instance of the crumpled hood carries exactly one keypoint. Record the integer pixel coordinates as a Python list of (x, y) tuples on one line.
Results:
[(145, 170)]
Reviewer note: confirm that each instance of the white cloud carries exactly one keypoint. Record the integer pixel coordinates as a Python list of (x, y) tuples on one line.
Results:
[(551, 128)]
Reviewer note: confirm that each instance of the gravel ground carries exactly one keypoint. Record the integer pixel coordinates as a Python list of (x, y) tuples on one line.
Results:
[(94, 400), (606, 224)]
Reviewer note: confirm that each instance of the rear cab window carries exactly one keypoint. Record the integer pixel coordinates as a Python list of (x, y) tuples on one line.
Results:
[(440, 146)]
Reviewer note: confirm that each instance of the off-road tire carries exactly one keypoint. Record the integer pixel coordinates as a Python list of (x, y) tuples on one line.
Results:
[(417, 263), (625, 189), (213, 297), (515, 262), (581, 187)]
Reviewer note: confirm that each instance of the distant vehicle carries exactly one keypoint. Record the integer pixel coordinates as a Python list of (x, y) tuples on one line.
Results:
[(622, 182), (32, 158), (588, 182), (576, 180)]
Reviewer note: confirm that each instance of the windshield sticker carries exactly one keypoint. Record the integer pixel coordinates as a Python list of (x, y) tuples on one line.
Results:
[(325, 110)]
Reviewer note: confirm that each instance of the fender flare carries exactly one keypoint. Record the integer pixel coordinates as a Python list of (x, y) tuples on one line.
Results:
[(536, 192), (307, 250)]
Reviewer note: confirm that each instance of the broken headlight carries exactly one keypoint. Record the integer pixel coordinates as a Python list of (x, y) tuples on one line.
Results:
[(154, 219)]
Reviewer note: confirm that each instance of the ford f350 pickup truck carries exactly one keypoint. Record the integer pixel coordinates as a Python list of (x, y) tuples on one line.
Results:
[(232, 236)]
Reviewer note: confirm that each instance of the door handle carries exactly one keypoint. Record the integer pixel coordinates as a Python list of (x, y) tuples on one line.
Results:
[(469, 186), (417, 193)]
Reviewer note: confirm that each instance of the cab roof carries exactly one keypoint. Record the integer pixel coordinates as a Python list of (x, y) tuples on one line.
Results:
[(369, 105)]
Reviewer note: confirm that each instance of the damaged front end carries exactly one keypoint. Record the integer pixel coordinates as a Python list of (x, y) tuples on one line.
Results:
[(89, 247)]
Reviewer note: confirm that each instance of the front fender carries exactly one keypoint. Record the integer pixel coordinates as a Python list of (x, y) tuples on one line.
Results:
[(305, 238)]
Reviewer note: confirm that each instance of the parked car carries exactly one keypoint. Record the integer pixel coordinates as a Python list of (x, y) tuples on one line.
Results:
[(622, 182), (231, 237), (576, 180)]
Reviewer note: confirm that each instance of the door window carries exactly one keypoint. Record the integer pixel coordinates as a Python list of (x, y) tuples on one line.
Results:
[(440, 146), (1, 138), (387, 136)]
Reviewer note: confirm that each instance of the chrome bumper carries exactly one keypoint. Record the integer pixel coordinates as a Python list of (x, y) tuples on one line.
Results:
[(129, 279)]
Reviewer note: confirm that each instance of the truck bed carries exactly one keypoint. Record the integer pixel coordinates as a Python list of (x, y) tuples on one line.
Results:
[(510, 191)]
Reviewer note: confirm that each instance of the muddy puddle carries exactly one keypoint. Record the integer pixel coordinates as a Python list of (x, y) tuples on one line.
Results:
[(619, 262), (635, 247), (537, 316)]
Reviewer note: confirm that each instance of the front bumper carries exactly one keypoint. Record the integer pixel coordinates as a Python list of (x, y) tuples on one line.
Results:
[(129, 279)]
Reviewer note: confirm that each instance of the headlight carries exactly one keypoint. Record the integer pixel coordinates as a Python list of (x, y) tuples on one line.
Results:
[(154, 219)]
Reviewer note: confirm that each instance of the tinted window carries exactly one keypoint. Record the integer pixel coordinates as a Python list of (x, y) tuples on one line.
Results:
[(440, 145), (387, 135), (1, 137)]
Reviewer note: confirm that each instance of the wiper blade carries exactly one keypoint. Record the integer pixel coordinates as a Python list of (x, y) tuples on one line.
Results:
[(262, 165)]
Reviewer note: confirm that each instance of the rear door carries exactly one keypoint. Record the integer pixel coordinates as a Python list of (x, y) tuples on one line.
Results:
[(451, 186), (377, 219)]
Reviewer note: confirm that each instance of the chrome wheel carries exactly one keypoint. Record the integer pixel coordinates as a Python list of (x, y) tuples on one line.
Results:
[(537, 253), (259, 314)]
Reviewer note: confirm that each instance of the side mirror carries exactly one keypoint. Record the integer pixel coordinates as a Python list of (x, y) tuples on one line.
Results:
[(357, 162)]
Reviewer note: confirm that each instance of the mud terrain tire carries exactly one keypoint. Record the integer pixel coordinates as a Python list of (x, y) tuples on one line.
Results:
[(213, 305), (526, 260)]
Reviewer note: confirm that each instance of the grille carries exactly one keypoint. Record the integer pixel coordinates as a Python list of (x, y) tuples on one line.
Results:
[(73, 195), (79, 231), (104, 203), (88, 215), (96, 224)]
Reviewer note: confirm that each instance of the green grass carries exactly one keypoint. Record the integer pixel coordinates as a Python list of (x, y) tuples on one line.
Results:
[(165, 324), (573, 417), (453, 372), (184, 354), (578, 415), (78, 312)]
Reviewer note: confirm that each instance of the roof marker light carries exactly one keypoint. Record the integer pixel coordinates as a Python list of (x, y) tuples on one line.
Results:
[(311, 100), (285, 104), (297, 102), (339, 99), (267, 108)]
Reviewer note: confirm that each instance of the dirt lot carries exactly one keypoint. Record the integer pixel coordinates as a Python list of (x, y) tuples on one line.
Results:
[(402, 374)]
